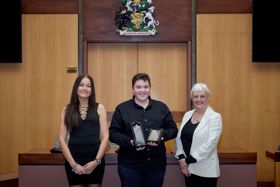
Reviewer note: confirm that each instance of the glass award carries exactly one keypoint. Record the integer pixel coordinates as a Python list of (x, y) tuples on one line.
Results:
[(137, 133), (155, 135)]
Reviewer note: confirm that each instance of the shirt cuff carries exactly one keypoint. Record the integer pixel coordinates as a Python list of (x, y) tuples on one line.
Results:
[(190, 159), (181, 156)]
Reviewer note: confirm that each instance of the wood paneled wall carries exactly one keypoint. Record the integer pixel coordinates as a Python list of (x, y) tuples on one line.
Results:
[(50, 6), (174, 18), (245, 93), (113, 64), (167, 66), (222, 6), (34, 92)]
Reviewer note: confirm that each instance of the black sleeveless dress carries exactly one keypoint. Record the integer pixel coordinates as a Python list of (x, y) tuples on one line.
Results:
[(84, 143)]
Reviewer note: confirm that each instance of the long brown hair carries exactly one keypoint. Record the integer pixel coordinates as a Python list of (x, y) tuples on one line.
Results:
[(72, 109)]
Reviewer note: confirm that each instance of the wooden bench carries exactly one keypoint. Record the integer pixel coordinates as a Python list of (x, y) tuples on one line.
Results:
[(41, 168)]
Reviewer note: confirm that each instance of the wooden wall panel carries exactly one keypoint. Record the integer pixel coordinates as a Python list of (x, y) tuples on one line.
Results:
[(223, 6), (166, 63), (175, 21), (245, 93), (34, 92), (49, 6), (112, 66)]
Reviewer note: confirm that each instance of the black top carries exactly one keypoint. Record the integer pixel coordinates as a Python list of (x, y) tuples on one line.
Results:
[(186, 138), (87, 132), (155, 116), (84, 144)]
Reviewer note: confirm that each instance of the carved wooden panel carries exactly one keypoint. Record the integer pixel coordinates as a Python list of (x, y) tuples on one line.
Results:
[(174, 17)]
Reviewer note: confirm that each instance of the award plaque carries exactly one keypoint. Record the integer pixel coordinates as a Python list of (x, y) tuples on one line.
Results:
[(137, 133), (155, 135)]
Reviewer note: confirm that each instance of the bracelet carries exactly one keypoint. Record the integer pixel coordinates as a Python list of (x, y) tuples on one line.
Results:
[(75, 165), (98, 161)]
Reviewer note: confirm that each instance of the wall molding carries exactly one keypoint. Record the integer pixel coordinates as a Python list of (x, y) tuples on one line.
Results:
[(49, 6), (223, 6)]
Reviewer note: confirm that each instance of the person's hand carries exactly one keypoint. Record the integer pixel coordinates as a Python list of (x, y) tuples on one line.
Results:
[(185, 171), (132, 142), (89, 167), (184, 167), (79, 170), (140, 148), (182, 162), (152, 143), (137, 148)]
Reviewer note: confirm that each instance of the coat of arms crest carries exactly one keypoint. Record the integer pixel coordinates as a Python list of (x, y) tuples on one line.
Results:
[(135, 17)]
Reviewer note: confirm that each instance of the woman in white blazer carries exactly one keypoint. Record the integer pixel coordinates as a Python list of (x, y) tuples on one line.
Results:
[(197, 139)]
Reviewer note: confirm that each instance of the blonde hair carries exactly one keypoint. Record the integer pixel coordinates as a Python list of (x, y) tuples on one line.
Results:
[(200, 87)]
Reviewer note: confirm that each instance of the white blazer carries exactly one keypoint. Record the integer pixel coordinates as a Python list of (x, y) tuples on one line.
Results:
[(204, 144)]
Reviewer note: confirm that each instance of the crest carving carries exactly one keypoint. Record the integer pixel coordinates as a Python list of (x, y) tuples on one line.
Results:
[(135, 17)]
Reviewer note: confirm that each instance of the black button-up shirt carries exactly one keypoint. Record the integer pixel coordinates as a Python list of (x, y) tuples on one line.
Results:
[(155, 116)]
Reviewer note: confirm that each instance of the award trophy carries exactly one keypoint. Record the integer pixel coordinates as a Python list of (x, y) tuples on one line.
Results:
[(155, 135), (137, 133)]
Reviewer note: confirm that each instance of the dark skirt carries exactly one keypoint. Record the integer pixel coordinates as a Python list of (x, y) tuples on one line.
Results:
[(197, 181), (83, 154)]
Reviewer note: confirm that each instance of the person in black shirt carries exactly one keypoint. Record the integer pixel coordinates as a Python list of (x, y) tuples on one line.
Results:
[(197, 139), (142, 166)]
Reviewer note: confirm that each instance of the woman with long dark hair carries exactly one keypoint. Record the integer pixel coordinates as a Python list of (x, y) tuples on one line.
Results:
[(85, 121)]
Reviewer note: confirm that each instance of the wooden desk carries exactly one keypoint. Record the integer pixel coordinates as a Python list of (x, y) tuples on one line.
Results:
[(275, 155), (41, 168)]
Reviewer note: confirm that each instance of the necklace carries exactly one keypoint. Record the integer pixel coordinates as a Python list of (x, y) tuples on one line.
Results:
[(196, 118), (83, 112)]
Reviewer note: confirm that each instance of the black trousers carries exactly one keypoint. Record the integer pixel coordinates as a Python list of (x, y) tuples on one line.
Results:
[(197, 181), (151, 177)]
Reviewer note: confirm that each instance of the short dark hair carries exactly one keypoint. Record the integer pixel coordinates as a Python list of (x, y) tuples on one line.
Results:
[(141, 76)]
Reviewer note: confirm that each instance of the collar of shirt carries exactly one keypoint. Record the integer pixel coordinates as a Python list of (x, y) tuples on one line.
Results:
[(139, 106)]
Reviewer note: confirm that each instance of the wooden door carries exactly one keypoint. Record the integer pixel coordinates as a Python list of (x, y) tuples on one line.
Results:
[(113, 64)]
